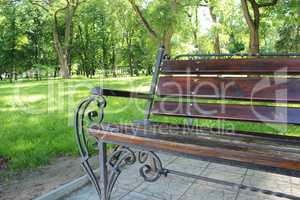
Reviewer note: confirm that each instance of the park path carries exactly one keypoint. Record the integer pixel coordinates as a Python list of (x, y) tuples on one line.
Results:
[(132, 187)]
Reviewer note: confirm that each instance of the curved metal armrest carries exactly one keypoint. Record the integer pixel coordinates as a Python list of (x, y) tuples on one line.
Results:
[(119, 93), (94, 117)]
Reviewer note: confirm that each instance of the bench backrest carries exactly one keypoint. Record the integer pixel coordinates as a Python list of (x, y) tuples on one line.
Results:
[(183, 84)]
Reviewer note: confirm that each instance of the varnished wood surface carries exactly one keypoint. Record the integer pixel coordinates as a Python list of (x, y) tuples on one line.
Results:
[(252, 113), (233, 66), (199, 146), (238, 88)]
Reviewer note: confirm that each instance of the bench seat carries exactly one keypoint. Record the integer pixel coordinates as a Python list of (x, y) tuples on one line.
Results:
[(252, 89), (272, 153)]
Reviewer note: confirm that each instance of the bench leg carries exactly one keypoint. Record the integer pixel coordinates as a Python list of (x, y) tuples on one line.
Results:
[(111, 166), (103, 169)]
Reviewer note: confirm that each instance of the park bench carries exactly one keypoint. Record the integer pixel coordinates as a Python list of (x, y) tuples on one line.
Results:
[(256, 89)]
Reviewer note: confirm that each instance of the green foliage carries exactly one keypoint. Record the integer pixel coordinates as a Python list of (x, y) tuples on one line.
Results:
[(235, 46), (109, 34)]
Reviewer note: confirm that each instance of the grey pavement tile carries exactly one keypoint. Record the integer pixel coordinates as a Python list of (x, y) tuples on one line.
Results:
[(166, 158), (295, 190), (130, 186), (201, 191), (83, 193), (269, 176), (295, 180), (138, 196), (89, 193), (224, 175), (217, 186), (270, 183), (227, 168), (170, 188), (130, 178), (248, 195), (189, 165)]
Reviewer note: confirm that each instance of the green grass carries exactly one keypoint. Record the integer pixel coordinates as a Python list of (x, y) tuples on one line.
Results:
[(36, 117)]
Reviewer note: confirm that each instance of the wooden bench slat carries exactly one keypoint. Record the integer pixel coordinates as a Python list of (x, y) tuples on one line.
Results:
[(239, 88), (232, 66), (196, 135), (242, 155), (252, 113)]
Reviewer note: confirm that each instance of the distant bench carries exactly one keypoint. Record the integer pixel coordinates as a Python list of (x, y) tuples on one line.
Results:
[(201, 89)]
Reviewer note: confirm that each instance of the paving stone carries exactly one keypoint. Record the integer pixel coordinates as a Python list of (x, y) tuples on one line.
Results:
[(89, 193), (270, 176), (166, 159), (189, 165), (225, 175), (295, 180), (130, 178), (270, 183), (247, 195), (295, 190), (138, 196), (130, 186), (170, 188), (200, 191), (227, 168)]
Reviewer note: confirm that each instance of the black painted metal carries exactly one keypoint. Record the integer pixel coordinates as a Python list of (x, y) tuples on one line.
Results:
[(119, 93), (160, 57), (80, 132)]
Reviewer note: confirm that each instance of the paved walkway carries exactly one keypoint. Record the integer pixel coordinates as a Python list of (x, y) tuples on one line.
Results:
[(132, 187)]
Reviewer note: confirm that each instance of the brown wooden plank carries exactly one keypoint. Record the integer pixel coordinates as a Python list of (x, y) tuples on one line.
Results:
[(232, 66), (252, 113), (240, 88), (282, 140), (240, 155), (287, 148)]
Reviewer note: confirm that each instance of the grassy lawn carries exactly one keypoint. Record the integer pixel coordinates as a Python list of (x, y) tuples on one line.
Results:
[(36, 117)]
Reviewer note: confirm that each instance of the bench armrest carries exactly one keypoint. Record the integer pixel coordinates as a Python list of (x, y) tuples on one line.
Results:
[(119, 93)]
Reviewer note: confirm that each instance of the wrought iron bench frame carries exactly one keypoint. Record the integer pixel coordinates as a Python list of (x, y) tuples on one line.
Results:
[(127, 152)]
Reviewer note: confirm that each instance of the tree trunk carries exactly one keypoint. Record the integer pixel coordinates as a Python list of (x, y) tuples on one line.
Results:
[(63, 47), (167, 41), (114, 67), (254, 40), (216, 42), (130, 65), (168, 31), (253, 23)]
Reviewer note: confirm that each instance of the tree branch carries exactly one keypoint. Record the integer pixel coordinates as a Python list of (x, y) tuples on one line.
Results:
[(138, 12), (55, 31), (272, 3), (39, 5), (246, 12), (256, 13)]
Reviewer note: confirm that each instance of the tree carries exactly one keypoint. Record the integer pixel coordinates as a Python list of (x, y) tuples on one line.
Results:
[(62, 44), (165, 36), (254, 22), (216, 42), (288, 28)]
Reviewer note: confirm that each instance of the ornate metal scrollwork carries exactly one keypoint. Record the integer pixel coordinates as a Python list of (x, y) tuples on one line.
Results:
[(152, 168), (121, 156), (94, 117)]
